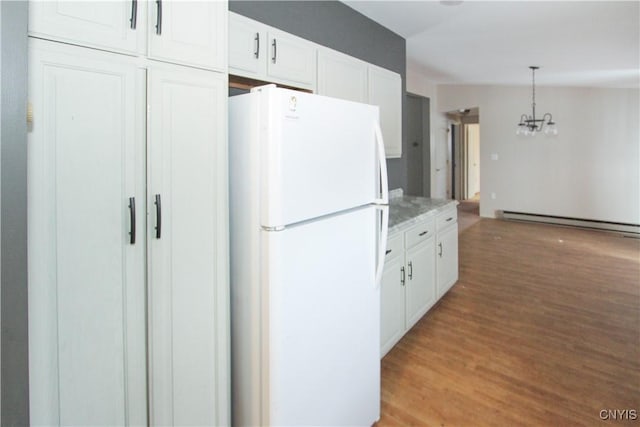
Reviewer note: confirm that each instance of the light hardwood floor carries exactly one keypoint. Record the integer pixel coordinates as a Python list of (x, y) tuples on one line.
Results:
[(542, 329)]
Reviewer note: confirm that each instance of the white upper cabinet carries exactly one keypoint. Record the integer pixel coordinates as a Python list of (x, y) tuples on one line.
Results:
[(247, 46), (291, 59), (341, 76), (110, 25), (385, 91), (191, 33), (260, 52)]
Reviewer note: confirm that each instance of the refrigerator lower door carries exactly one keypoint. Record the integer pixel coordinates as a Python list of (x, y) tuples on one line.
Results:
[(321, 323)]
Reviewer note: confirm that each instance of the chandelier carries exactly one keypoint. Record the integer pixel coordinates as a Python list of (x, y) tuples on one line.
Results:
[(530, 125)]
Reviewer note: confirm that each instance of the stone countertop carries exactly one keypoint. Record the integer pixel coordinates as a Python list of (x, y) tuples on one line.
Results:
[(405, 211)]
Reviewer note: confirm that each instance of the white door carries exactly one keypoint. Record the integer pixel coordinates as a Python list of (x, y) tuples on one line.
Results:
[(421, 281), (392, 305), (111, 25), (385, 91), (447, 260), (291, 59), (247, 46), (442, 180), (189, 32), (473, 159), (341, 76), (188, 299), (86, 274), (321, 320), (319, 156)]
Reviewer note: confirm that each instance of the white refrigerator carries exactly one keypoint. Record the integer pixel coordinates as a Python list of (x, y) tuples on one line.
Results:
[(309, 194)]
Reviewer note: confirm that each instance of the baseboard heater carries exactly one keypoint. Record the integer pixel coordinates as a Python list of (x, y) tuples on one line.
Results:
[(630, 229)]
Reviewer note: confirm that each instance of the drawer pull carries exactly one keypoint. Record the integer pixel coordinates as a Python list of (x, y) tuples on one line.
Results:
[(402, 277), (410, 270), (449, 219), (388, 252), (423, 233)]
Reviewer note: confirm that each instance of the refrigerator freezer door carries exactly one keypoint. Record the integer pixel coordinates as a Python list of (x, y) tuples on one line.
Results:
[(321, 323), (319, 156)]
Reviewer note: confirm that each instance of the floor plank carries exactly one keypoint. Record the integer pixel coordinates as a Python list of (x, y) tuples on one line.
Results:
[(542, 329)]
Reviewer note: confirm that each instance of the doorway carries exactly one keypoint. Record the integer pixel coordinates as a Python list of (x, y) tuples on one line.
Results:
[(465, 146), (418, 154)]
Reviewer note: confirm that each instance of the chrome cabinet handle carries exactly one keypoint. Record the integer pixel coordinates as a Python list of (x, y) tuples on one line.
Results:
[(158, 216), (449, 219), (440, 246), (159, 17), (132, 217), (134, 14), (275, 51), (410, 270), (402, 278), (257, 40), (423, 233), (388, 252)]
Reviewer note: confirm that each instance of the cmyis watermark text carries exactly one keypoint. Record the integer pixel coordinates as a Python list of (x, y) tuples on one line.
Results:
[(618, 414)]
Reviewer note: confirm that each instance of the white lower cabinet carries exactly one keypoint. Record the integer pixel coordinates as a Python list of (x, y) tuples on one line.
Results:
[(447, 251), (408, 282), (420, 267), (119, 285)]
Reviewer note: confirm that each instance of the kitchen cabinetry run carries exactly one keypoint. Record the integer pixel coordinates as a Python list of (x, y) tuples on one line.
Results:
[(260, 52), (191, 33), (408, 283), (127, 240)]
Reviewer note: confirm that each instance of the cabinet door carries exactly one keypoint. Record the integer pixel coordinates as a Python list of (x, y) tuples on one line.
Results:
[(247, 47), (188, 273), (392, 304), (341, 76), (291, 60), (110, 25), (189, 32), (447, 259), (385, 91), (86, 275), (421, 281)]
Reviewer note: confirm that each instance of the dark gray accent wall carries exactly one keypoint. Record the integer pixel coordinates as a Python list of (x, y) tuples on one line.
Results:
[(335, 25), (14, 357)]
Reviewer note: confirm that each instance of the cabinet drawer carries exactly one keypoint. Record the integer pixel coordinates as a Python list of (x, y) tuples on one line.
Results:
[(419, 233), (448, 217), (394, 246)]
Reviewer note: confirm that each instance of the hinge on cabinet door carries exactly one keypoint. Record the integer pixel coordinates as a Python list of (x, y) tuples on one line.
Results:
[(29, 114)]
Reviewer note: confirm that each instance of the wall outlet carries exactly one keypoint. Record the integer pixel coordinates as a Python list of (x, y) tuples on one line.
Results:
[(493, 196)]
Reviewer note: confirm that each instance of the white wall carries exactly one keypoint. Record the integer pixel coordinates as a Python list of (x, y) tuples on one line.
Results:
[(589, 171)]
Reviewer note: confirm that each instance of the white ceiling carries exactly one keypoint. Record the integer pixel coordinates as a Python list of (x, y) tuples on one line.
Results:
[(576, 43)]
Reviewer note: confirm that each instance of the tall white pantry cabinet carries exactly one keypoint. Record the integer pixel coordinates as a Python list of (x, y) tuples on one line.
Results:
[(128, 222)]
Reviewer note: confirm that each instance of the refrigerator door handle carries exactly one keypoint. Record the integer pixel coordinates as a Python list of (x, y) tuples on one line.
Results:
[(382, 160), (382, 243)]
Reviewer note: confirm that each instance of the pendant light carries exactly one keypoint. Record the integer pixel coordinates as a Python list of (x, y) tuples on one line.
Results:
[(530, 125)]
